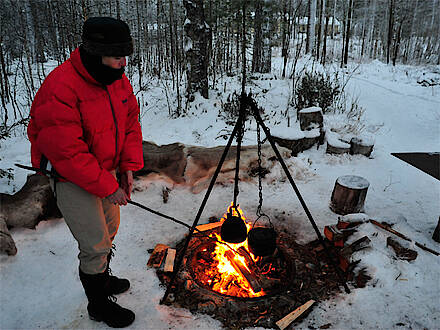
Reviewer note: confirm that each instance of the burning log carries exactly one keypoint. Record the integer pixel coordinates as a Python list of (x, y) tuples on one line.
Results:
[(250, 278), (157, 255), (209, 226), (169, 261), (289, 318)]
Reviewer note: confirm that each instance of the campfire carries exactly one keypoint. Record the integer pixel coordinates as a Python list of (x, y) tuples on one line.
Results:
[(232, 270), (233, 285)]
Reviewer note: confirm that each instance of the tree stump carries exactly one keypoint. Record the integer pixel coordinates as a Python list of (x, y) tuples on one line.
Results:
[(349, 194), (362, 146), (337, 147), (310, 118), (436, 235)]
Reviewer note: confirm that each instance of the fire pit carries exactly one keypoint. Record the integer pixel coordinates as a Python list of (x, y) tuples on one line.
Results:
[(227, 282)]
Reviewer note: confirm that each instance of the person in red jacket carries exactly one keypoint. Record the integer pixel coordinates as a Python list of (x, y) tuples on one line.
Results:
[(84, 126)]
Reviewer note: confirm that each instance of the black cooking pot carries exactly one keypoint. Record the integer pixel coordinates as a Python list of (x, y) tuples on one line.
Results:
[(233, 229), (262, 241)]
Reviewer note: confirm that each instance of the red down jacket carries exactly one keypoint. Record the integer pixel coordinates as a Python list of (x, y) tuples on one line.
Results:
[(84, 129)]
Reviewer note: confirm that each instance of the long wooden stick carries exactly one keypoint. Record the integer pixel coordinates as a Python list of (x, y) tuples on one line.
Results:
[(406, 238)]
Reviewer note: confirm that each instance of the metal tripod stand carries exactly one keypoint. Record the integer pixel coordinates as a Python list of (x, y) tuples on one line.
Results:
[(246, 101)]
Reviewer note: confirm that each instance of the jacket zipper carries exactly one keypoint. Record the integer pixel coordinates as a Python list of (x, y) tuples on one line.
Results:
[(115, 122)]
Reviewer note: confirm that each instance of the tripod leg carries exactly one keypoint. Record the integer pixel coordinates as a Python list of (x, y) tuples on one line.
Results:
[(202, 206), (295, 188)]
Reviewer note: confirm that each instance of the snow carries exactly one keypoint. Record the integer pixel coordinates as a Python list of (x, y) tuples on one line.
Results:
[(311, 109), (353, 182), (40, 287)]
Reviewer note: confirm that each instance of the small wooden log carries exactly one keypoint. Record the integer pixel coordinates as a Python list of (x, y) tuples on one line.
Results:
[(169, 261), (401, 251), (250, 278), (209, 226), (157, 255), (361, 146), (436, 235), (289, 318), (310, 118), (349, 194)]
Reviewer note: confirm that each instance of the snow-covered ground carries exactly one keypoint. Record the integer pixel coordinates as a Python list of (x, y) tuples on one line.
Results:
[(40, 287)]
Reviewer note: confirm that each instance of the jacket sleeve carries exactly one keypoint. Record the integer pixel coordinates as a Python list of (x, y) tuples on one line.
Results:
[(132, 158), (60, 139)]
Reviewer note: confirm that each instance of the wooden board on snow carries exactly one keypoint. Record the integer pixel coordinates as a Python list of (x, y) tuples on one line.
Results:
[(289, 318)]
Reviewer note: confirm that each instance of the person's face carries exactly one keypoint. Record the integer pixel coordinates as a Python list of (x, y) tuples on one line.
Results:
[(114, 62)]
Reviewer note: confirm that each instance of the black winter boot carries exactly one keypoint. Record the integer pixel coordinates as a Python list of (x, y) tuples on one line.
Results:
[(103, 307), (115, 285)]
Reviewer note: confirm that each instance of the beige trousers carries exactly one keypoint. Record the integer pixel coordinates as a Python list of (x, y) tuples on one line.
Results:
[(93, 222)]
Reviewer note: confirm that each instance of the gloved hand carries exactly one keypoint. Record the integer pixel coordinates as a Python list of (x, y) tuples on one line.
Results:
[(127, 183), (118, 197)]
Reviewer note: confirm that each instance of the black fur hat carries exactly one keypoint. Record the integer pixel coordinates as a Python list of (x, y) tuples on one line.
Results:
[(107, 36)]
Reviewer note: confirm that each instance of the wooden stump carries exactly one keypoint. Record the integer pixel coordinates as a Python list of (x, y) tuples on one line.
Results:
[(361, 146), (349, 194), (436, 235), (310, 118)]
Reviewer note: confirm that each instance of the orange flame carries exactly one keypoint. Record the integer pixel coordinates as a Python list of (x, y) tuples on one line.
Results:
[(227, 271)]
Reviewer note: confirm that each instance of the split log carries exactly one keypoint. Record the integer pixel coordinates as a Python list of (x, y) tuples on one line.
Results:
[(310, 118), (157, 255), (349, 194), (289, 318), (402, 252), (250, 278), (7, 244), (169, 261), (362, 146), (436, 235), (336, 235)]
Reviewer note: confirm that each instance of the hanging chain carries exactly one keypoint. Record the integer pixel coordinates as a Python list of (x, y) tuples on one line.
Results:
[(260, 170), (259, 212)]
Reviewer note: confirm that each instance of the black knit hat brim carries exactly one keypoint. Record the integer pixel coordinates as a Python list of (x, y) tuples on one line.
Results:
[(114, 49)]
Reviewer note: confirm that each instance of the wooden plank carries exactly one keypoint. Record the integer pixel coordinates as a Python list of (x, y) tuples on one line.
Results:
[(292, 316), (157, 255), (169, 261), (250, 278), (209, 226)]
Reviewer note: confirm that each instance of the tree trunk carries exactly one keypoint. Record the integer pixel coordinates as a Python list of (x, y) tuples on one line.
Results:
[(348, 31), (390, 28), (310, 43), (258, 39), (196, 35), (266, 64)]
